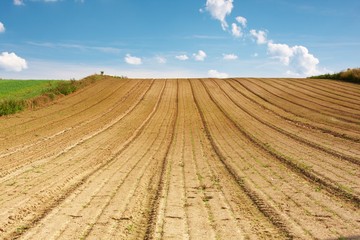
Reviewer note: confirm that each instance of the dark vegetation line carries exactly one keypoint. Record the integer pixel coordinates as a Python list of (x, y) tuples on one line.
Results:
[(349, 75), (63, 88)]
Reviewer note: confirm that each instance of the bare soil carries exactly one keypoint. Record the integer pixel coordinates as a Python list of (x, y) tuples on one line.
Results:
[(185, 159)]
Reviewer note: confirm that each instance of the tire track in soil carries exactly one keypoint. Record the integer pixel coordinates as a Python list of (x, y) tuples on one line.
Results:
[(50, 125), (313, 115), (97, 216), (53, 108), (299, 93), (246, 217), (173, 161), (324, 112), (71, 128), (307, 142), (325, 93), (71, 189), (154, 206), (319, 98), (43, 155), (338, 86), (266, 209), (280, 207), (327, 183), (303, 124), (181, 217)]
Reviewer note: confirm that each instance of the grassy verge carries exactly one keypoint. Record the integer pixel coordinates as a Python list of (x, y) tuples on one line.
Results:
[(17, 95), (349, 75)]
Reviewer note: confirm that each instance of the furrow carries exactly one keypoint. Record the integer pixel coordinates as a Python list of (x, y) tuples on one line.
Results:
[(100, 166), (304, 124), (46, 157), (86, 99), (122, 187), (326, 110), (261, 205), (154, 206), (351, 159), (299, 93), (338, 86), (71, 128), (330, 186), (312, 115), (322, 91)]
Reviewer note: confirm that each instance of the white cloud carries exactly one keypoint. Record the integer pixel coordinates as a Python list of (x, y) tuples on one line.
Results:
[(259, 36), (219, 9), (132, 60), (242, 21), (200, 56), (298, 58), (182, 57), (11, 62), (216, 74), (18, 2), (161, 60), (236, 30), (282, 52), (2, 27), (230, 57)]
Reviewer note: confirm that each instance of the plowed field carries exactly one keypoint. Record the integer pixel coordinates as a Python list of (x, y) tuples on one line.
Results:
[(185, 159)]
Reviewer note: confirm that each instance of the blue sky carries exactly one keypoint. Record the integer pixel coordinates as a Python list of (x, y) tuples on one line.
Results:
[(63, 39)]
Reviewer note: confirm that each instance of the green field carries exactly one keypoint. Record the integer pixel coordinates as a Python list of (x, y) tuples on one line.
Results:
[(25, 89), (16, 95)]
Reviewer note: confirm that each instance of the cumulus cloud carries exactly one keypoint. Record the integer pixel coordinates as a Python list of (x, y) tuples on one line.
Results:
[(216, 74), (200, 55), (182, 57), (230, 57), (132, 60), (11, 62), (2, 27), (298, 58), (259, 36), (242, 21), (236, 30), (219, 9), (161, 60)]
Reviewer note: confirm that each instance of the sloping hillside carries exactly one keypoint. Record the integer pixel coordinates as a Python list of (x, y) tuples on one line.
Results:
[(185, 159)]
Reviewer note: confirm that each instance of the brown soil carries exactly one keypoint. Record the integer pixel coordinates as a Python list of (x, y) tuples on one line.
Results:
[(185, 159)]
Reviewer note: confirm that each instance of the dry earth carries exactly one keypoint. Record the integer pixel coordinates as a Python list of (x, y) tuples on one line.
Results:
[(185, 159)]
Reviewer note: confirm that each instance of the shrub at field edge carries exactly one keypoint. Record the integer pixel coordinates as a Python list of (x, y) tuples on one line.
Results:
[(349, 75), (11, 106)]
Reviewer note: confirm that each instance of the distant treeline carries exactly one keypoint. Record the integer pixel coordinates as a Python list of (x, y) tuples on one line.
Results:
[(349, 75)]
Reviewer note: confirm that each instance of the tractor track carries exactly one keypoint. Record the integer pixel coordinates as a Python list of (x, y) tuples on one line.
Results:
[(185, 159)]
